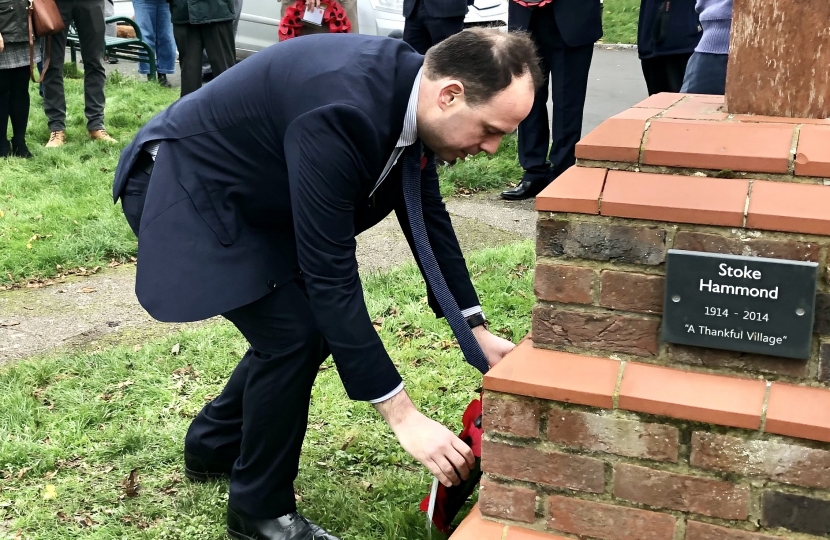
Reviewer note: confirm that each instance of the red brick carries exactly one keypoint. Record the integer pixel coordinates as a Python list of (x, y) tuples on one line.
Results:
[(738, 361), (697, 110), (626, 291), (703, 531), (662, 100), (799, 411), (597, 331), (555, 376), (576, 190), (700, 397), (598, 433), (507, 502), (812, 157), (789, 207), (475, 528), (750, 247), (515, 416), (661, 489), (719, 145), (601, 241), (607, 522), (564, 283), (617, 138), (787, 463), (549, 468)]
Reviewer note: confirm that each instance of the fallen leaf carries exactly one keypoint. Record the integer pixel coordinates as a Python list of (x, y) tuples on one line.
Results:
[(23, 472), (378, 323), (9, 323), (108, 469), (28, 246), (125, 384), (176, 348), (367, 485), (50, 475), (136, 348), (2, 214), (49, 492), (87, 290), (347, 443), (130, 484), (298, 497), (186, 371), (84, 520)]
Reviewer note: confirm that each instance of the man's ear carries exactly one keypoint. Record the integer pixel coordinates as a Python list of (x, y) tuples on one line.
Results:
[(451, 94)]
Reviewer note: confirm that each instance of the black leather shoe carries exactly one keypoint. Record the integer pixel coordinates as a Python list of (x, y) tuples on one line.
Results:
[(291, 526), (162, 80), (5, 147), (19, 149), (526, 190), (203, 470)]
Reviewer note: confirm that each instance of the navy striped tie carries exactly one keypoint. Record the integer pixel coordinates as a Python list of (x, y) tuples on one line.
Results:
[(411, 175)]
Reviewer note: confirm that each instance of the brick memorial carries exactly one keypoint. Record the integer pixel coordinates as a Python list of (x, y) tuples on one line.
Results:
[(598, 427)]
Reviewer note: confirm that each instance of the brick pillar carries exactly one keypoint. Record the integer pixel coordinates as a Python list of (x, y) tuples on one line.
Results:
[(779, 63)]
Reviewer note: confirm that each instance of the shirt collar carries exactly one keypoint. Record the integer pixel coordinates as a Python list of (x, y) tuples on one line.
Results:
[(410, 122)]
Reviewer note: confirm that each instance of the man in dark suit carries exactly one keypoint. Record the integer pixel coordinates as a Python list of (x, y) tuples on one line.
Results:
[(246, 197), (565, 32), (429, 22)]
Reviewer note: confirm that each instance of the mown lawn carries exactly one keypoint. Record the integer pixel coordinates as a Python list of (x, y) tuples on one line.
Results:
[(74, 426), (619, 21)]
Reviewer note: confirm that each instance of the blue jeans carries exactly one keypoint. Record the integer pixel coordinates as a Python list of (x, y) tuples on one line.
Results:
[(706, 74), (153, 18)]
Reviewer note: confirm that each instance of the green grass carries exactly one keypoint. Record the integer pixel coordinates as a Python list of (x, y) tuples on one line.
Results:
[(619, 21), (56, 209), (81, 422)]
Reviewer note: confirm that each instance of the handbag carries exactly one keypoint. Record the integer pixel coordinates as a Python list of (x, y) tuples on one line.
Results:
[(44, 20)]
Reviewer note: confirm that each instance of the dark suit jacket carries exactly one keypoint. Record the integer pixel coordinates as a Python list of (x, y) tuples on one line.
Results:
[(579, 21), (439, 8), (264, 174)]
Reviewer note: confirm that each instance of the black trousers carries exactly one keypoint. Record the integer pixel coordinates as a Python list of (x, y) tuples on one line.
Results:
[(14, 102), (214, 38), (422, 31), (259, 421), (566, 70), (665, 73)]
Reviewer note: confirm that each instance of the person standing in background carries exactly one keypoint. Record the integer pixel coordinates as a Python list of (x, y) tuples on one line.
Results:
[(565, 32), (88, 18), (198, 25), (668, 33), (207, 73), (14, 77), (153, 19), (112, 28), (429, 22), (706, 71)]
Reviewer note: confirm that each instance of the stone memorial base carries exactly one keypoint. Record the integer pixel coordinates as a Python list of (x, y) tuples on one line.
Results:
[(597, 428)]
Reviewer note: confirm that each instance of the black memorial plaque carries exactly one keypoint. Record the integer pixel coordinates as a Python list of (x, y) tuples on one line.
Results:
[(748, 304)]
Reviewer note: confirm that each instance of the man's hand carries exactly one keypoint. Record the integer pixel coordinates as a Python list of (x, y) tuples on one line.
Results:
[(2, 45), (311, 5), (446, 456), (494, 347)]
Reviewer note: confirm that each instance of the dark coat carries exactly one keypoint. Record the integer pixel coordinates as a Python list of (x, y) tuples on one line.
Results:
[(667, 27), (201, 11), (579, 21), (14, 23), (264, 175), (439, 9)]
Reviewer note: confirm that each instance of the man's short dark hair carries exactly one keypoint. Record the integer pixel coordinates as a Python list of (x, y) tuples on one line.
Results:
[(485, 61)]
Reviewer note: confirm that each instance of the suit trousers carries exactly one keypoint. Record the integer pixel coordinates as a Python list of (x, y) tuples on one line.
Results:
[(215, 38), (665, 73), (88, 17), (566, 70), (422, 31)]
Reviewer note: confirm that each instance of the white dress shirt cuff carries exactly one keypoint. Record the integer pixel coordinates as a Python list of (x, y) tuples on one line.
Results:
[(471, 311), (390, 395)]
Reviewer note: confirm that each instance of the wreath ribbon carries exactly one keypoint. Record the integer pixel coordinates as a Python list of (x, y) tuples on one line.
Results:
[(334, 16)]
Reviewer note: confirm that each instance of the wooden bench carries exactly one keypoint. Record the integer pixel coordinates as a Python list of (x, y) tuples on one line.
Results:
[(134, 49)]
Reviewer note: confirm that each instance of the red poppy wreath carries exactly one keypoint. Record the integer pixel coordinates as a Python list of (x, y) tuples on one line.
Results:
[(334, 16)]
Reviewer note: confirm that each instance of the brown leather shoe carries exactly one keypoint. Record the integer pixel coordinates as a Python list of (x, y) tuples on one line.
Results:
[(56, 139), (101, 135)]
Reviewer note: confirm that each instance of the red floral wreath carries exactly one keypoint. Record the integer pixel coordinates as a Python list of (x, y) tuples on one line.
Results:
[(533, 4), (334, 16)]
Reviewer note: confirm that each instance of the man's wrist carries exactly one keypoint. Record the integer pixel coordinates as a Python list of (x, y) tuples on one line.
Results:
[(476, 320), (396, 409)]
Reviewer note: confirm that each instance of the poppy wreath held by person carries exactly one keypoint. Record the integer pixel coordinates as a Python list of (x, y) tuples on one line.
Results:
[(334, 16)]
